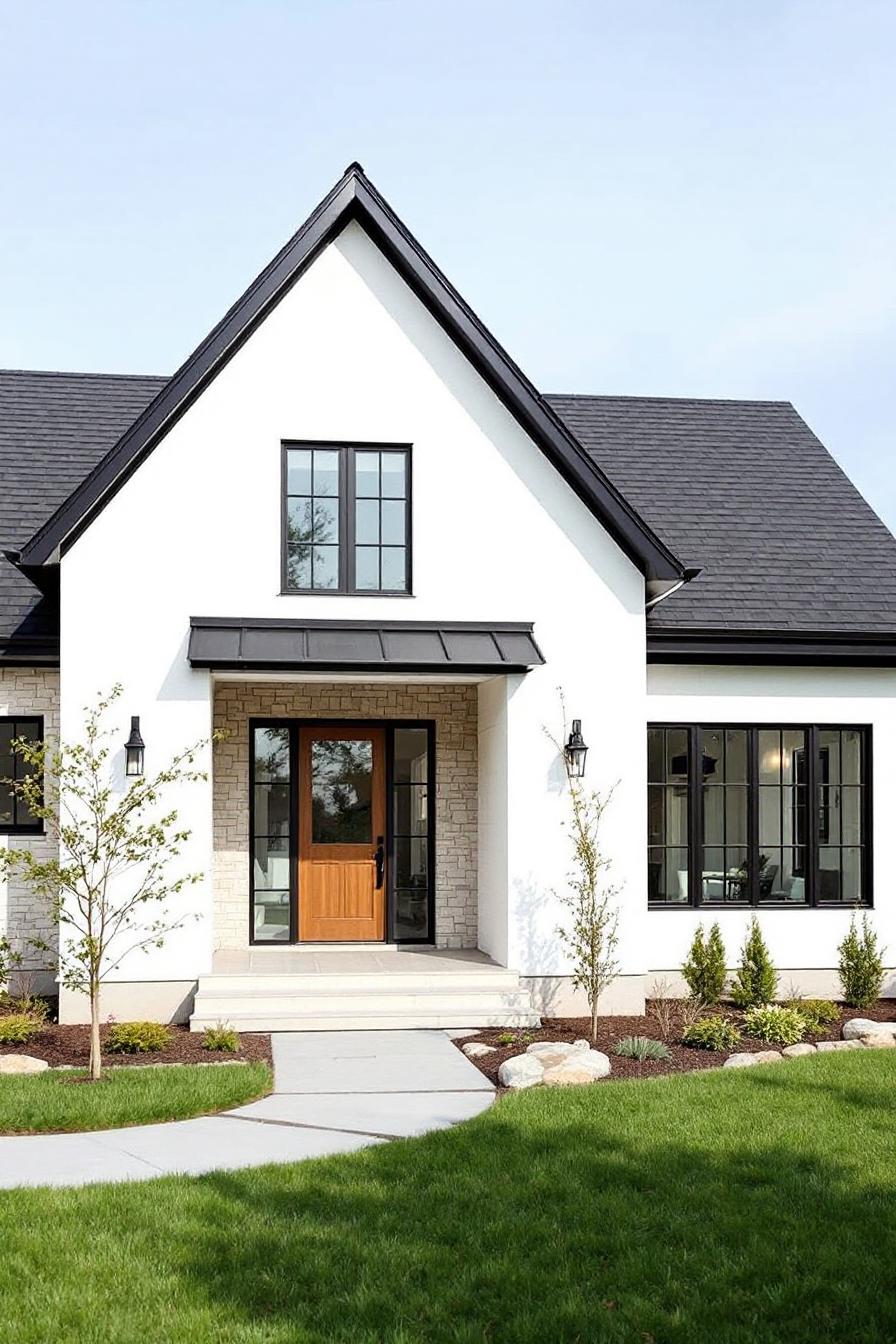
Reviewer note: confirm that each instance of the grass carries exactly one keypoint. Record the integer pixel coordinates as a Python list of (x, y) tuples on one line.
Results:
[(60, 1100), (731, 1207)]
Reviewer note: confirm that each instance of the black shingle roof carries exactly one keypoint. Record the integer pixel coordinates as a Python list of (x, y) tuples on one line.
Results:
[(742, 489), (746, 491), (54, 428)]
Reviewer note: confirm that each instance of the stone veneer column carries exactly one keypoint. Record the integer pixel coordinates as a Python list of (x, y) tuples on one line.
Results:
[(29, 691), (454, 710)]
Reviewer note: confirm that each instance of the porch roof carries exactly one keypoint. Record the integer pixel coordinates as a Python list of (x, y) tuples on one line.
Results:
[(251, 644)]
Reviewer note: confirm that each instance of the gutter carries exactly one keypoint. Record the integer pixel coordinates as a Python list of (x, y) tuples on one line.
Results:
[(689, 574)]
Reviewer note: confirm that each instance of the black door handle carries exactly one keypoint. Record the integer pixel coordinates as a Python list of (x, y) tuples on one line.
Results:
[(380, 860)]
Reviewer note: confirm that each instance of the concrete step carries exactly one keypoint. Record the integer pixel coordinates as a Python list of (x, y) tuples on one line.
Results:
[(342, 982), (387, 1000), (344, 1019)]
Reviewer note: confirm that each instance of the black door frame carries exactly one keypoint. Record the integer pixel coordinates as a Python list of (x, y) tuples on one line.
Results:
[(294, 725)]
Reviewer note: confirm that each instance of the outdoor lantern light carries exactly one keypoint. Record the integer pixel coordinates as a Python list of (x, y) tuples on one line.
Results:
[(576, 751), (133, 749)]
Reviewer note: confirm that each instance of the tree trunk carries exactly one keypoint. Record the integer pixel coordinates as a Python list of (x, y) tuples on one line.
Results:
[(594, 1021), (96, 1062)]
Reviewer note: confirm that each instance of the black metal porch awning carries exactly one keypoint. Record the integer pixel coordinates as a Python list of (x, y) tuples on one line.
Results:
[(233, 644)]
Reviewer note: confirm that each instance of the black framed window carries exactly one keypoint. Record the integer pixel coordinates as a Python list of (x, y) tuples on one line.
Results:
[(758, 815), (412, 789), (14, 815), (273, 836), (346, 518)]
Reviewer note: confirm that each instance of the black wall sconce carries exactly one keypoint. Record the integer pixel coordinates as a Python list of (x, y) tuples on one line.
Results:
[(134, 749), (575, 751)]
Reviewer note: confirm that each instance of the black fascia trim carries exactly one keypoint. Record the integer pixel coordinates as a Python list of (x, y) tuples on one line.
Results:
[(355, 198), (782, 648)]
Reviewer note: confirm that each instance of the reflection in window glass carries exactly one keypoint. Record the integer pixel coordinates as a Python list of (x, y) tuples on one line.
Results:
[(271, 834), (410, 821), (341, 789), (312, 518)]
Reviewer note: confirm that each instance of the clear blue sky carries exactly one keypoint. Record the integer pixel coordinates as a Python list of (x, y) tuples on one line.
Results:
[(680, 197)]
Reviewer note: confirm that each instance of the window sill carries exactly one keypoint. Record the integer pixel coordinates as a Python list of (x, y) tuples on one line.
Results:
[(339, 592), (763, 905), (37, 831)]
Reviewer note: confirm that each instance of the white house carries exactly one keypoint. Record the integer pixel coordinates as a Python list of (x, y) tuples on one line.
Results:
[(352, 534)]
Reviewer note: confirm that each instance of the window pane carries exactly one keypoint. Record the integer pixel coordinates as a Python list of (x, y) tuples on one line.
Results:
[(737, 875), (326, 520), (410, 756), (851, 756), (410, 804), (341, 781), (712, 758), (7, 815), (736, 755), (411, 914), (393, 515), (326, 472), (325, 567), (793, 755), (270, 869), (272, 809), (829, 748), (271, 917), (676, 817), (736, 815), (713, 874), (298, 471), (367, 521), (393, 475), (411, 863), (676, 875), (677, 754), (769, 756), (298, 567), (828, 874), (769, 816), (7, 756), (367, 567), (851, 875), (367, 475), (271, 754), (392, 566), (656, 815), (300, 520), (655, 771), (851, 816), (714, 816)]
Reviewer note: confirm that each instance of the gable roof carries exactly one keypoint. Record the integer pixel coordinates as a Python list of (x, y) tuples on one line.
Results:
[(744, 489), (355, 198), (54, 428)]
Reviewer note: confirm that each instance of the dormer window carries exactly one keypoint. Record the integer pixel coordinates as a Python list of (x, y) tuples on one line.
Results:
[(346, 518)]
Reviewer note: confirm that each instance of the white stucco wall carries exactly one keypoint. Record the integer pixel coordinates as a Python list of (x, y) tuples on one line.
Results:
[(800, 940), (350, 354)]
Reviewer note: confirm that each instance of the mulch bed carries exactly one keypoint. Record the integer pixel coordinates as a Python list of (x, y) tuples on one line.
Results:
[(71, 1045), (684, 1058)]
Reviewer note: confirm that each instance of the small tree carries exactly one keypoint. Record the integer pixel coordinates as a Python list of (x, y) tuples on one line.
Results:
[(113, 875), (705, 968), (756, 979), (861, 965), (592, 935)]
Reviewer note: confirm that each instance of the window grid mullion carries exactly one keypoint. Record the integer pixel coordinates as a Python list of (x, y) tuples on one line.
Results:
[(695, 816), (812, 815)]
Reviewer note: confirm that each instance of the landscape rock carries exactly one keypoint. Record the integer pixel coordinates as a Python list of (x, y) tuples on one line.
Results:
[(581, 1045), (878, 1040), (768, 1057), (551, 1054), (583, 1066), (476, 1049), (520, 1071), (22, 1064), (794, 1051), (863, 1026), (825, 1046), (744, 1059)]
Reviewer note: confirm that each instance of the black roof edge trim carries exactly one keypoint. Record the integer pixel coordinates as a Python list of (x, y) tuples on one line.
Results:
[(355, 197), (773, 647), (299, 623)]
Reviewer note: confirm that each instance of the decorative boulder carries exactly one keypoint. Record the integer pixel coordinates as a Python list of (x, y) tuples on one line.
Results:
[(878, 1040), (551, 1054), (794, 1051), (22, 1064), (520, 1071), (743, 1059), (582, 1066), (476, 1049), (863, 1026), (768, 1057), (825, 1046)]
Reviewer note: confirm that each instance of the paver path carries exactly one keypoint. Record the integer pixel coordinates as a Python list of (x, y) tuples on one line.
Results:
[(334, 1092)]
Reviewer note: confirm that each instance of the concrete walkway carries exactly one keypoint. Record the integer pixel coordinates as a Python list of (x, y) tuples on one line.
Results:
[(334, 1092)]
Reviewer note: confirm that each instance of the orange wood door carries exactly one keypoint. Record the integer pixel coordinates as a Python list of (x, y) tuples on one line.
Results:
[(342, 826)]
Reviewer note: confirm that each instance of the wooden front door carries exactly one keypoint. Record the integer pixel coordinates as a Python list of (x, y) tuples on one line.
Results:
[(342, 829)]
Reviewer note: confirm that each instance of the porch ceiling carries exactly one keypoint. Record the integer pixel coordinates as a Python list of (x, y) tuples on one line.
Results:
[(250, 645)]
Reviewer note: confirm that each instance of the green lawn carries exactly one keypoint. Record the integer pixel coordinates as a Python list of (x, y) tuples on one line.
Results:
[(717, 1208), (59, 1100)]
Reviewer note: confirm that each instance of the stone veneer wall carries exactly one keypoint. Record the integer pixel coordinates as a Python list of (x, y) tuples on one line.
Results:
[(29, 691), (454, 710)]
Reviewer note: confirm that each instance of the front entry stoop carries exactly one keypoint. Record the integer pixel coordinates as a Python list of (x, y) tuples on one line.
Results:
[(359, 990)]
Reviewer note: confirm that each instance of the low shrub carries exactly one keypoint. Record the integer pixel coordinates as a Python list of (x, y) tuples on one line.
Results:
[(19, 1028), (756, 979), (29, 1004), (641, 1048), (819, 1014), (861, 965), (705, 971), (774, 1023), (220, 1038), (711, 1033), (137, 1038)]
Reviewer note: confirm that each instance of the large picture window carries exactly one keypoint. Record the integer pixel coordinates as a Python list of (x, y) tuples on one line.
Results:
[(346, 518), (767, 815), (14, 815)]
